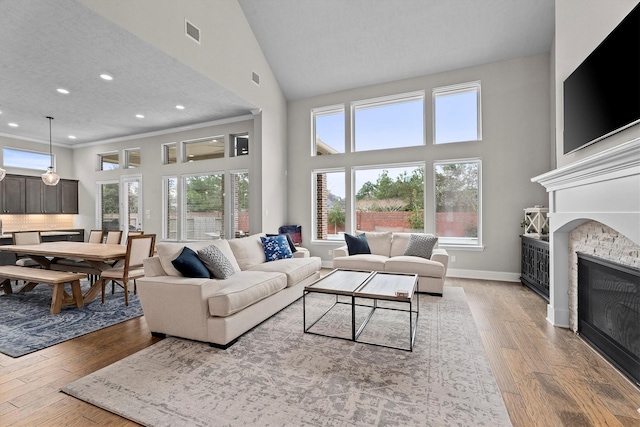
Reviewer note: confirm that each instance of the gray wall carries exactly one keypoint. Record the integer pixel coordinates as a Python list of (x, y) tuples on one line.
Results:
[(515, 147), (580, 28)]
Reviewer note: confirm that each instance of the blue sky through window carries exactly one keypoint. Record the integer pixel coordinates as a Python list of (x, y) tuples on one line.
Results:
[(393, 125), (456, 117), (25, 159)]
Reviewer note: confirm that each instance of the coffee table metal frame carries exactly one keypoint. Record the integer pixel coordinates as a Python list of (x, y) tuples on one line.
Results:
[(360, 289)]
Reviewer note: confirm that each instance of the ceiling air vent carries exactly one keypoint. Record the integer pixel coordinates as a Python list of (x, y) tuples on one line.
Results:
[(192, 31), (255, 77)]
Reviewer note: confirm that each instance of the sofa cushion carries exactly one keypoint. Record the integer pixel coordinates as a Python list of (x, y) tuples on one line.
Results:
[(189, 265), (379, 242), (215, 261), (357, 244), (414, 265), (248, 251), (399, 243), (168, 251), (296, 269), (361, 262), (244, 289), (276, 247), (292, 245), (421, 245)]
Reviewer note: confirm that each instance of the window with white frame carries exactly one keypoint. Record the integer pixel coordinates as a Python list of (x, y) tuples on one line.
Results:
[(458, 200), (240, 145), (203, 207), (457, 113), (131, 158), (108, 200), (389, 198), (203, 149), (170, 211), (169, 153), (108, 161), (328, 130), (329, 204), (240, 203), (25, 159), (388, 122)]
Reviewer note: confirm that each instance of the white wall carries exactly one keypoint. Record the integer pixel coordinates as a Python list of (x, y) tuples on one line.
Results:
[(580, 27), (515, 147)]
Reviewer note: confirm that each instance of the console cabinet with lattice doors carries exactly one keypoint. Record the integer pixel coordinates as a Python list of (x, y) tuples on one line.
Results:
[(535, 265)]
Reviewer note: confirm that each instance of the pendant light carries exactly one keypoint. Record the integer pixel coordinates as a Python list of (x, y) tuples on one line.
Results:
[(50, 177), (3, 173)]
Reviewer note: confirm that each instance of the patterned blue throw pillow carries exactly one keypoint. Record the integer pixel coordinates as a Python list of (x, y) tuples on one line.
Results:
[(189, 265), (421, 245), (276, 247), (216, 262)]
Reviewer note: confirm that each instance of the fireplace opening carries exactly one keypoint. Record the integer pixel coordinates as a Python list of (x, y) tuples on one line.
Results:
[(609, 311)]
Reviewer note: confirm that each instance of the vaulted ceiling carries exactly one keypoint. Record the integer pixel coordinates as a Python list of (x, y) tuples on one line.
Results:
[(313, 47)]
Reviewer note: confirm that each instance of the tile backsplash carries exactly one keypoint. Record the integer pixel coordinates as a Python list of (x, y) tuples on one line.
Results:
[(36, 222)]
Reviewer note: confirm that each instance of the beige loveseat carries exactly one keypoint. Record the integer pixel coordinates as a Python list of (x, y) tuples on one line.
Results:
[(387, 254), (219, 311)]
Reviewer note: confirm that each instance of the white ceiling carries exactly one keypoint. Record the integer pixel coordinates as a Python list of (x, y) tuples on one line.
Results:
[(313, 47), (323, 46)]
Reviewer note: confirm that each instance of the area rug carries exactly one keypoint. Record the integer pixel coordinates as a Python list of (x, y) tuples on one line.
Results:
[(276, 375), (27, 326)]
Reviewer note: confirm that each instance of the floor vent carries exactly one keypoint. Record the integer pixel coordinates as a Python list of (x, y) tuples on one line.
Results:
[(192, 31), (255, 77)]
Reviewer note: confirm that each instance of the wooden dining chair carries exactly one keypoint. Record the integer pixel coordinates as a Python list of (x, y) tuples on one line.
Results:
[(96, 236), (26, 238), (114, 237), (138, 248)]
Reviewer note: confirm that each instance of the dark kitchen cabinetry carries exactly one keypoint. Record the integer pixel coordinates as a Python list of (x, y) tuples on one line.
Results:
[(535, 265), (51, 199), (12, 194)]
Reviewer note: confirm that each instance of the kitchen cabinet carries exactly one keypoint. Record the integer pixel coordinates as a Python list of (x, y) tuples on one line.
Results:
[(12, 194), (51, 199), (68, 196)]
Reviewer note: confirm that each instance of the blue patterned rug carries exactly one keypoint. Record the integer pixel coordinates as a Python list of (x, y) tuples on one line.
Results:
[(27, 326)]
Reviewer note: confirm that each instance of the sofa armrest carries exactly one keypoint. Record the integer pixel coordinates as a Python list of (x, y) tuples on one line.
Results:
[(441, 256), (152, 267), (301, 253), (341, 251)]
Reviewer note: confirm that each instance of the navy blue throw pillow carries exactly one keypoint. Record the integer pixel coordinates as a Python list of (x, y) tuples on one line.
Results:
[(292, 245), (189, 265), (357, 244)]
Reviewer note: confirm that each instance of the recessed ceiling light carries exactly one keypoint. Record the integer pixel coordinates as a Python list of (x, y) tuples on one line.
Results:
[(13, 125), (180, 107), (72, 137), (63, 91), (140, 116), (105, 76)]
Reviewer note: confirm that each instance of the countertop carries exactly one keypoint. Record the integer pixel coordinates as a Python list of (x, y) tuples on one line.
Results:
[(45, 233)]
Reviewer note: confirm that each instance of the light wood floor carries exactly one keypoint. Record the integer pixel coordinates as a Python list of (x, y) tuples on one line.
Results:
[(548, 377)]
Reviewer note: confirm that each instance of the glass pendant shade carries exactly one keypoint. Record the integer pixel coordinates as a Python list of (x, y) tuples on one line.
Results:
[(3, 173), (50, 177)]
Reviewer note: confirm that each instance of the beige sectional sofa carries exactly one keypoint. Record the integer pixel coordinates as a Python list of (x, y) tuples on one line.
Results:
[(219, 311), (387, 254)]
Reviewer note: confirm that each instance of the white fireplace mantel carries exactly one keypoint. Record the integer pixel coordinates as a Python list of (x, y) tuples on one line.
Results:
[(604, 187)]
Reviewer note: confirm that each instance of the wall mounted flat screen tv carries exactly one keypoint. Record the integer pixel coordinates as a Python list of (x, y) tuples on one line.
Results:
[(602, 96)]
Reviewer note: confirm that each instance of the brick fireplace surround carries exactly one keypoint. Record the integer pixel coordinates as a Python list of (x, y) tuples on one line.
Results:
[(594, 207)]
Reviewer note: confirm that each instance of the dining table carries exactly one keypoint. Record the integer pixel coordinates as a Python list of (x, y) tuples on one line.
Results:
[(99, 256)]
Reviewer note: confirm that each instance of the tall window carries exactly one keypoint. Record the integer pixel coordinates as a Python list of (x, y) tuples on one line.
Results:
[(108, 161), (457, 113), (390, 198), (109, 205), (132, 158), (203, 207), (169, 153), (328, 130), (170, 212), (389, 122), (203, 149), (329, 204), (12, 157), (240, 203), (457, 189)]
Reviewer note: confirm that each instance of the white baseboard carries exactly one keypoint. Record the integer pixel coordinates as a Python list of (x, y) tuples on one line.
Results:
[(468, 274)]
